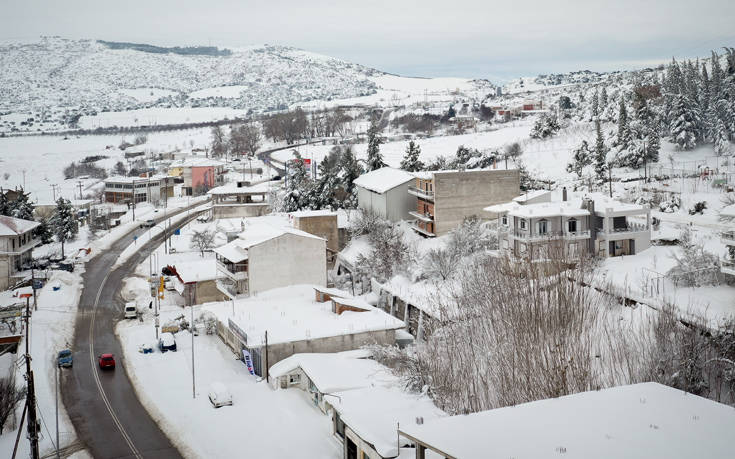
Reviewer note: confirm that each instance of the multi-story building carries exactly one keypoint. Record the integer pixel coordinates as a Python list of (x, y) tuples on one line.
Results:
[(147, 189), (200, 175), (594, 224), (727, 266), (230, 201), (16, 246), (266, 256), (444, 199)]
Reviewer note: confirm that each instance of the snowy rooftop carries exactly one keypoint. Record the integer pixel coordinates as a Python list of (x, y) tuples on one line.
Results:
[(335, 372), (313, 213), (550, 209), (499, 166), (353, 302), (198, 162), (291, 314), (501, 208), (636, 421), (535, 194), (193, 271), (256, 231), (11, 226), (123, 179), (357, 408), (383, 179), (728, 211)]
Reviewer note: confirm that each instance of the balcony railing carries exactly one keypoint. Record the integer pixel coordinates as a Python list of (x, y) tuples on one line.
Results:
[(234, 275), (421, 193), (728, 237), (629, 228), (535, 237), (414, 226), (423, 217)]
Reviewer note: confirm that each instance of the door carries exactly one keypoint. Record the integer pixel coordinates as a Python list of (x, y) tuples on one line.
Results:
[(611, 249), (351, 449), (631, 245)]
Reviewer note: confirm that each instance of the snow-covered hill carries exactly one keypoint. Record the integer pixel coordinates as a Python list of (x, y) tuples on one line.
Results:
[(44, 84)]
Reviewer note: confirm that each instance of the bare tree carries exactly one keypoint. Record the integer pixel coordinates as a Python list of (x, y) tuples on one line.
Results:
[(251, 138), (441, 263), (10, 396), (202, 241)]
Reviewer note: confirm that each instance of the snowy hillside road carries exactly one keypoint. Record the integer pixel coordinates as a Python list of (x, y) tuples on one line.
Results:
[(107, 415)]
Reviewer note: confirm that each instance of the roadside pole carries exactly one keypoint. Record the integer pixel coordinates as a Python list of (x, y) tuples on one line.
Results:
[(57, 410), (191, 329), (32, 429)]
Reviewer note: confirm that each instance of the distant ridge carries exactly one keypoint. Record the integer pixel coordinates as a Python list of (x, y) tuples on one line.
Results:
[(185, 51)]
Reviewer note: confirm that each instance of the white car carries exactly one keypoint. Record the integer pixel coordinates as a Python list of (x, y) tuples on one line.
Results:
[(131, 310), (219, 395)]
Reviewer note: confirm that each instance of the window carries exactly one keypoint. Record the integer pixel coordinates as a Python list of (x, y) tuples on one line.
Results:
[(504, 220), (572, 225), (543, 226), (523, 224), (294, 379)]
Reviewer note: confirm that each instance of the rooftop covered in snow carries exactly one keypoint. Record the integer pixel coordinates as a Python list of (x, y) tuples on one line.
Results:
[(636, 421), (11, 226), (292, 314), (233, 189), (383, 179)]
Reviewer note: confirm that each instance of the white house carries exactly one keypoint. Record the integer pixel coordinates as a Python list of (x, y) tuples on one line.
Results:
[(384, 191), (266, 256), (636, 421), (16, 245)]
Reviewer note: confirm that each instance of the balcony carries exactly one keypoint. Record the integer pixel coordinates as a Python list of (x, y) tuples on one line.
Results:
[(629, 228), (728, 237), (414, 226), (426, 218), (418, 192), (728, 267), (238, 275), (528, 237)]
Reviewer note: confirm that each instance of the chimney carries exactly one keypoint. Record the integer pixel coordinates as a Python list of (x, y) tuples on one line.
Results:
[(564, 194)]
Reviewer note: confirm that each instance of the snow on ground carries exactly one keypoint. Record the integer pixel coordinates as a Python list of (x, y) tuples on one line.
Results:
[(160, 116), (431, 147), (227, 92), (146, 94), (163, 383), (52, 329)]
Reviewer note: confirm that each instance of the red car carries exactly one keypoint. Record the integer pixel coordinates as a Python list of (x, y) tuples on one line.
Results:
[(107, 361)]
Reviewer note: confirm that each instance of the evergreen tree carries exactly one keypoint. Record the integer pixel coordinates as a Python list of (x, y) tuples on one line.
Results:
[(463, 156), (603, 99), (582, 157), (545, 126), (374, 158), (411, 161), (600, 153), (44, 231), (298, 185), (5, 206), (323, 193), (684, 124), (64, 223), (722, 144), (22, 208), (349, 169), (595, 105), (120, 169), (623, 129)]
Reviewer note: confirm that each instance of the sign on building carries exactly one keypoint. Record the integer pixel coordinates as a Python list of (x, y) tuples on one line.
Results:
[(248, 361)]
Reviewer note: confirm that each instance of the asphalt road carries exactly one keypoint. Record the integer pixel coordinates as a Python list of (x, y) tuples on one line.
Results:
[(106, 413)]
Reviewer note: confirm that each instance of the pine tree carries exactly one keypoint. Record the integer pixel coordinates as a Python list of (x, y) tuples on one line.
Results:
[(595, 109), (600, 153), (582, 157), (349, 169), (722, 144), (411, 161), (64, 223), (323, 193), (22, 208), (120, 169), (5, 206), (603, 99), (623, 128), (374, 158), (684, 124), (44, 231)]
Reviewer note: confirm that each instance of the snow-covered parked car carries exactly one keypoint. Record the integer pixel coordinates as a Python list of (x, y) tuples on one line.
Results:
[(167, 342), (219, 395), (131, 310)]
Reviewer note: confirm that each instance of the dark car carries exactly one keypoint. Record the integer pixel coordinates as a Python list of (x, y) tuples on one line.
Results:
[(65, 359), (167, 342), (107, 361)]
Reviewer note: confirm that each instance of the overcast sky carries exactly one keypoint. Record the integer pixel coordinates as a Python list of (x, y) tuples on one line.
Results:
[(486, 39)]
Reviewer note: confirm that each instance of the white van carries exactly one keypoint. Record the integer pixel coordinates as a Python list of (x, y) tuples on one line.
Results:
[(131, 310)]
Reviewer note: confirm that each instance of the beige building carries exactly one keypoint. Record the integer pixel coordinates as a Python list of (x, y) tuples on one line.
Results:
[(443, 199), (322, 223), (16, 247), (231, 201)]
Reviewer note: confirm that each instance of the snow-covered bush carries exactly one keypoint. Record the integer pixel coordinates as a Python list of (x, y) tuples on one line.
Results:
[(670, 205), (698, 208), (695, 266)]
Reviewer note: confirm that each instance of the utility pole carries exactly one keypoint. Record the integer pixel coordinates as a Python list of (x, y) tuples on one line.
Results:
[(191, 329), (53, 187), (266, 356), (133, 200), (31, 397), (80, 189), (57, 411), (609, 177)]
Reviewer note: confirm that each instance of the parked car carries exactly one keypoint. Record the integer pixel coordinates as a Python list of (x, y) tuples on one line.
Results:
[(219, 395), (107, 361), (65, 358), (148, 224), (131, 310), (167, 342)]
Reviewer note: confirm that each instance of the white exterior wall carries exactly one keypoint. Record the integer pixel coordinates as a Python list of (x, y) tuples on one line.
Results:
[(286, 260), (371, 201), (399, 203)]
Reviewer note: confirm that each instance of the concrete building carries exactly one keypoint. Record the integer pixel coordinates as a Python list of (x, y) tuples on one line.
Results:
[(281, 322), (196, 281), (155, 189), (266, 256), (593, 225), (322, 223), (16, 247), (199, 174), (384, 191), (636, 421), (230, 201), (727, 265), (443, 199)]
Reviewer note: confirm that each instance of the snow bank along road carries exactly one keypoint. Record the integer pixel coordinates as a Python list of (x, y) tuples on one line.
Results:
[(106, 413)]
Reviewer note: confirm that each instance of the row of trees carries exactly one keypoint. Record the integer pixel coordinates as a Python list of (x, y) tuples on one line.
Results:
[(296, 125), (243, 139)]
